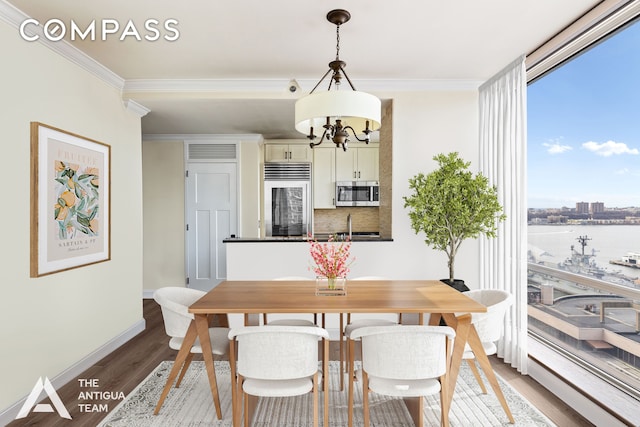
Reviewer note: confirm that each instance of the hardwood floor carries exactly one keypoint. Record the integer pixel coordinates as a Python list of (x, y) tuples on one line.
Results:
[(126, 367)]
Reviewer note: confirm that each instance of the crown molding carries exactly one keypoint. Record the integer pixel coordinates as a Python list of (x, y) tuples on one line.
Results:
[(137, 109), (279, 85), (14, 17), (208, 138)]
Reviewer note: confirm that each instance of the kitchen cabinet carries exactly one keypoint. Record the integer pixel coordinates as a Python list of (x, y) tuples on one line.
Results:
[(324, 177), (287, 153), (357, 164)]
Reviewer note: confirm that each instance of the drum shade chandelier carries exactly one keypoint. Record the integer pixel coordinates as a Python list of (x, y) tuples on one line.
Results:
[(337, 111)]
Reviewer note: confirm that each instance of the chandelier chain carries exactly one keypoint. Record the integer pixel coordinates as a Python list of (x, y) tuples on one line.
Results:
[(337, 42)]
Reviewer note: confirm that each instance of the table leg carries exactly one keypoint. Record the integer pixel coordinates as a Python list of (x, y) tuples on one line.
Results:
[(342, 351), (183, 353), (352, 350), (325, 380), (483, 360), (202, 325), (414, 407), (462, 325), (234, 384)]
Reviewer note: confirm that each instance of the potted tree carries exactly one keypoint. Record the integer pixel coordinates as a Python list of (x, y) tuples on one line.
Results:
[(449, 205)]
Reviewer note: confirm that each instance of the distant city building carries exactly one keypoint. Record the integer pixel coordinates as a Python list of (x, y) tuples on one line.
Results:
[(597, 207), (557, 219), (582, 208)]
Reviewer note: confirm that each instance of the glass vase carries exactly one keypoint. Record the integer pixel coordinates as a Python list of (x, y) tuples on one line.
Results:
[(331, 286)]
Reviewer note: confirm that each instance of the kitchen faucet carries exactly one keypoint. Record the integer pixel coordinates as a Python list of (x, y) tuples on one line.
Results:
[(349, 225)]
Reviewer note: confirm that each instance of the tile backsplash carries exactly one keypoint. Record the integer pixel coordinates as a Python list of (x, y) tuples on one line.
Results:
[(330, 221)]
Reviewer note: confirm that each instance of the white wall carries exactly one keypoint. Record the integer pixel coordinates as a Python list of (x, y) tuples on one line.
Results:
[(49, 324), (164, 224), (426, 124), (163, 197)]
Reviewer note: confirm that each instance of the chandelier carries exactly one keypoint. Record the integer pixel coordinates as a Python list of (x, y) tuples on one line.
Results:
[(337, 111)]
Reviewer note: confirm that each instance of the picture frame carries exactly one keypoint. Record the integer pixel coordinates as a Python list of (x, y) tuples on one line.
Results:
[(70, 200)]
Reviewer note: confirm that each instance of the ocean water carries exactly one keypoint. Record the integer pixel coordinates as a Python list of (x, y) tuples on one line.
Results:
[(607, 242)]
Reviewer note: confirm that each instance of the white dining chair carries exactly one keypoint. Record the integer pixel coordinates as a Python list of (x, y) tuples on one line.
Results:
[(359, 320), (490, 328), (405, 361), (277, 361), (174, 303), (291, 319)]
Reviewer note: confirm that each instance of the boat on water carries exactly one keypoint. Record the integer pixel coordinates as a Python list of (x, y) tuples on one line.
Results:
[(579, 262), (583, 263), (631, 259)]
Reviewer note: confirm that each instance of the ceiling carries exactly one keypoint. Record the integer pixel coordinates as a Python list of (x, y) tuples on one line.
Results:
[(229, 70)]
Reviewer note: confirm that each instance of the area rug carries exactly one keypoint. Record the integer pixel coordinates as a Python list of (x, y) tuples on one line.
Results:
[(191, 405)]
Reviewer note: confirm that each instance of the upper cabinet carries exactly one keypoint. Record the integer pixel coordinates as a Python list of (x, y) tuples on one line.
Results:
[(357, 164), (287, 153), (324, 178)]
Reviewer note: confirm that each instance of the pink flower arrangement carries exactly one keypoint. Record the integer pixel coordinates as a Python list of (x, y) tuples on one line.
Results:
[(331, 260)]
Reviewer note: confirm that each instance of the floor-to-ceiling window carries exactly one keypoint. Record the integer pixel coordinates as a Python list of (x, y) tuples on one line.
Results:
[(584, 208)]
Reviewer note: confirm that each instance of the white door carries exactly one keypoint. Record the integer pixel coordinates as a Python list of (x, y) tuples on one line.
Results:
[(211, 215)]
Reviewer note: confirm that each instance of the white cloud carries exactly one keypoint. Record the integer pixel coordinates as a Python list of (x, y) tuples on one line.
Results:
[(556, 147), (623, 171), (609, 148)]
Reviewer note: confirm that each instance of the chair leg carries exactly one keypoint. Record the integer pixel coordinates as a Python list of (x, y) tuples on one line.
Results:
[(350, 382), (444, 405), (315, 400), (325, 380), (246, 409), (183, 371), (238, 404), (476, 373), (342, 352), (365, 398)]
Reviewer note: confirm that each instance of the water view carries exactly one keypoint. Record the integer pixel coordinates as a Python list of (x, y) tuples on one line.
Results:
[(551, 245), (583, 304)]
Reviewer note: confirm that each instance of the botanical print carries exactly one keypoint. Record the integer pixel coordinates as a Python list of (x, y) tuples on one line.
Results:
[(78, 203), (75, 200), (70, 200)]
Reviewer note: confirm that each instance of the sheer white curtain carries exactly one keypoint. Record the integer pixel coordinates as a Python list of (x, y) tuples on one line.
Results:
[(503, 148)]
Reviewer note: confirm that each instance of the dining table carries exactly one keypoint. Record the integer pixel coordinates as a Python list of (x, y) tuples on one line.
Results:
[(417, 297)]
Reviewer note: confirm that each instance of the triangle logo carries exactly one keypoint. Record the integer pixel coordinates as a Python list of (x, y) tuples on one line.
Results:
[(30, 403)]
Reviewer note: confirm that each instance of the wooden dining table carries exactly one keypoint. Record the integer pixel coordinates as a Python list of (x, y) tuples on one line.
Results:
[(417, 297)]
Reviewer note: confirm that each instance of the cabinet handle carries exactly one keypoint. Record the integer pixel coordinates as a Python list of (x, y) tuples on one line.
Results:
[(290, 157), (358, 174), (286, 153), (354, 174)]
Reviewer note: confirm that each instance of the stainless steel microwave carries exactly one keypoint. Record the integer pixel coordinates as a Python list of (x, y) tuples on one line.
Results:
[(357, 193)]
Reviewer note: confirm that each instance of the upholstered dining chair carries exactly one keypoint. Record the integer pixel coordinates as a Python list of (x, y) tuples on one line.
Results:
[(405, 361), (291, 319), (174, 303), (490, 328), (359, 320), (277, 361)]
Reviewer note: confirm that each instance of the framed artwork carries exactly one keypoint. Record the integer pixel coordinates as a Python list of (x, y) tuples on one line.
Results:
[(70, 200)]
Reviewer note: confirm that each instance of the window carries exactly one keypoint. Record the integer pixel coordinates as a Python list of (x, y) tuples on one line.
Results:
[(584, 205)]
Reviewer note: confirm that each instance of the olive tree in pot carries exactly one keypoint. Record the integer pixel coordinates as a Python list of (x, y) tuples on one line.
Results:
[(450, 205)]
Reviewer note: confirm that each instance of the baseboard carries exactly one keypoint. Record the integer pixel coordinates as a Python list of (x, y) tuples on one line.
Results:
[(148, 293), (7, 415)]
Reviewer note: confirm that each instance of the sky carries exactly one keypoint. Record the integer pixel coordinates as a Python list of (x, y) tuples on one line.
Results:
[(584, 128)]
